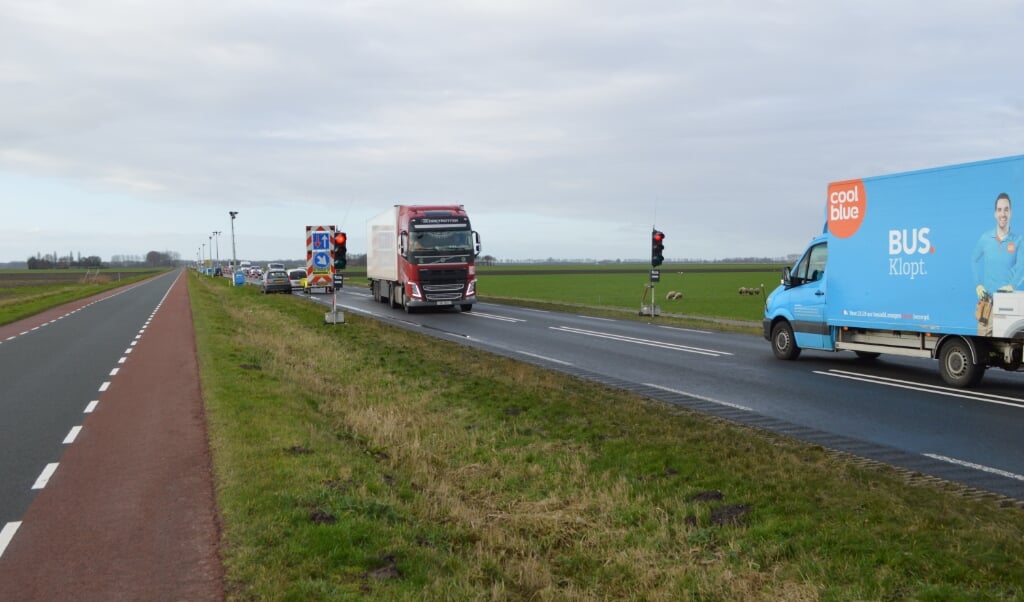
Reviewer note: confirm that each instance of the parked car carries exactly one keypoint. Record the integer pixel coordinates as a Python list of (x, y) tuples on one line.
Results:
[(297, 275), (276, 281)]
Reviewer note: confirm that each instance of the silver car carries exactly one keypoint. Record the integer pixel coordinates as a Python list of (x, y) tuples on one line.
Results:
[(276, 281)]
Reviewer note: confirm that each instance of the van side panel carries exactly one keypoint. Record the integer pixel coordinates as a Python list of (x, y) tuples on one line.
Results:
[(902, 246)]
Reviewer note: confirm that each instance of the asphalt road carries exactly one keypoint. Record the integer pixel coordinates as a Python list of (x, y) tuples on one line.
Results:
[(51, 370), (893, 410)]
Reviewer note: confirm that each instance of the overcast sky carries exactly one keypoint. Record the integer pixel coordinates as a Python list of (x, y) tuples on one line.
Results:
[(566, 128)]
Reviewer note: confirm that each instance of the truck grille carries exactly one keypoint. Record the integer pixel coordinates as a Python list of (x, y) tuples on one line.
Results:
[(443, 285)]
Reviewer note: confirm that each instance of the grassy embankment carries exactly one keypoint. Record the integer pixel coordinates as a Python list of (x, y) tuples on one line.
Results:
[(361, 461), (24, 293)]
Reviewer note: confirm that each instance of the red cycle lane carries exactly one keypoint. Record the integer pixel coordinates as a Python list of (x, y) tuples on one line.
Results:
[(130, 513)]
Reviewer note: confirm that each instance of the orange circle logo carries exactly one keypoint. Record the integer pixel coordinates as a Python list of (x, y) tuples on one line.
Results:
[(847, 204)]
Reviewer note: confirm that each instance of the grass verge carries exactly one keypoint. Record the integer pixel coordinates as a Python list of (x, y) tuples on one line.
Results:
[(363, 461)]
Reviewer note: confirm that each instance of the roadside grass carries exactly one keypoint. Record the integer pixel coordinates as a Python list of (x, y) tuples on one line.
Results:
[(363, 461), (21, 297)]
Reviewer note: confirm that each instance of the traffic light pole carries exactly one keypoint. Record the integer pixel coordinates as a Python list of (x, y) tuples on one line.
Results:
[(338, 259), (234, 257), (657, 257)]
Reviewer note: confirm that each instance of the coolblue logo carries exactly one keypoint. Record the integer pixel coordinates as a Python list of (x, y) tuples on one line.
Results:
[(905, 249)]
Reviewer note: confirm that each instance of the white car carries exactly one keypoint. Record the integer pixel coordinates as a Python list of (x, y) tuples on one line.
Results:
[(297, 275)]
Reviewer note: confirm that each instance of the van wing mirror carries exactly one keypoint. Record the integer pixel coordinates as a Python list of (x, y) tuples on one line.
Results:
[(786, 274)]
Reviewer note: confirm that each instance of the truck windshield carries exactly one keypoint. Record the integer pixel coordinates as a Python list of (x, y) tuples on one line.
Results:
[(442, 241)]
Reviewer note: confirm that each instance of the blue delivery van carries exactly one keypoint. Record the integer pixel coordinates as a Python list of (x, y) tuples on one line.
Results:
[(925, 263)]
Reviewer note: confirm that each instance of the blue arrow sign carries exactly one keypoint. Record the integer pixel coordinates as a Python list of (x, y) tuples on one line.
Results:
[(322, 241), (321, 260)]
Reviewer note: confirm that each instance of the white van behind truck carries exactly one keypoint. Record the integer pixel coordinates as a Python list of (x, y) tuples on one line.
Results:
[(924, 263)]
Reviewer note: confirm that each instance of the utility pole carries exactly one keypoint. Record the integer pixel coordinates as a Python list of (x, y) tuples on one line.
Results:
[(216, 234), (234, 258)]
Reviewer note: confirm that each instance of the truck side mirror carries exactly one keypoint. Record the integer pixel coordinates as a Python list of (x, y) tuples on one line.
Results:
[(476, 239), (403, 243)]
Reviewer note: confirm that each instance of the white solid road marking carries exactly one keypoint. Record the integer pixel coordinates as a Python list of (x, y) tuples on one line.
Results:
[(7, 534), (44, 477), (702, 397), (981, 467), (648, 342), (477, 314), (545, 358), (926, 388)]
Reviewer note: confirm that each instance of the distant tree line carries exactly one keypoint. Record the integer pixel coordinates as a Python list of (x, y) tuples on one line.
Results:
[(52, 261), (153, 259)]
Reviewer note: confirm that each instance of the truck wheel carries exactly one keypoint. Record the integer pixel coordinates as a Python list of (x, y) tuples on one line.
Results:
[(393, 299), (957, 365), (466, 307), (867, 355), (783, 342)]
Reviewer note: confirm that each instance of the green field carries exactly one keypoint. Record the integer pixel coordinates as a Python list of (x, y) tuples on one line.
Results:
[(362, 461), (24, 293), (708, 290)]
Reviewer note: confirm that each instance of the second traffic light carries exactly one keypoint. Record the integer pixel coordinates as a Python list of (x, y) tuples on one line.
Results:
[(657, 247), (340, 250)]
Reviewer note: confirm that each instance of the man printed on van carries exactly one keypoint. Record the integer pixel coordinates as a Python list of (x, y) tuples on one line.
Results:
[(995, 262)]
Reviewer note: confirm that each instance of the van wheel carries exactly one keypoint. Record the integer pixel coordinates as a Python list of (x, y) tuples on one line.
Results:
[(783, 342), (957, 365)]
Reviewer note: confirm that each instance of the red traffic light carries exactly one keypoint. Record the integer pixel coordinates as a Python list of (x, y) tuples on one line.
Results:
[(340, 251), (657, 247)]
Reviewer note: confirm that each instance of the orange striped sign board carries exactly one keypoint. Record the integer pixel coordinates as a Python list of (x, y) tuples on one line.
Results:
[(320, 256)]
